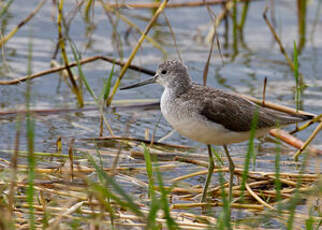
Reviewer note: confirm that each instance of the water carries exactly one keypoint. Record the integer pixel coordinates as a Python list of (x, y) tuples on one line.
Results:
[(259, 58)]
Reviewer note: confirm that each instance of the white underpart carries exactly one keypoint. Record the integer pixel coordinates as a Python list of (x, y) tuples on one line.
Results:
[(208, 132)]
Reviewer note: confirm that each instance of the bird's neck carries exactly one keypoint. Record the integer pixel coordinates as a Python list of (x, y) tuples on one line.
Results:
[(178, 87)]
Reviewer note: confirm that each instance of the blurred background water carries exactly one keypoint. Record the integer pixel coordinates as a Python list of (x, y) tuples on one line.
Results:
[(242, 72)]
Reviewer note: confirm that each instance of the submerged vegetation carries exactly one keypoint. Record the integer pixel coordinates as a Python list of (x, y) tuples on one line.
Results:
[(74, 155)]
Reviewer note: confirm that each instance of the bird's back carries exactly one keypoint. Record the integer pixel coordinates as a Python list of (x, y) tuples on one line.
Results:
[(235, 112)]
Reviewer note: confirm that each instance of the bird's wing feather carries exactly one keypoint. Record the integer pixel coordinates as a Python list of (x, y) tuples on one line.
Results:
[(236, 113)]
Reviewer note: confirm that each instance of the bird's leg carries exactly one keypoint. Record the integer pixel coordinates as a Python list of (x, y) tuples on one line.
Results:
[(231, 172), (211, 167)]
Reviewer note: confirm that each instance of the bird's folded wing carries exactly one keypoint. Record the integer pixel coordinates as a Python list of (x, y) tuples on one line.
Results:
[(236, 114)]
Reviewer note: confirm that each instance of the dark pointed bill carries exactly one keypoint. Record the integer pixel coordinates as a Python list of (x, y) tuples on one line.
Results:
[(146, 82)]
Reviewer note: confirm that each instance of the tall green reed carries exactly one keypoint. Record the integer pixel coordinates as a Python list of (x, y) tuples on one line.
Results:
[(297, 80), (30, 127), (250, 152), (277, 183), (157, 203)]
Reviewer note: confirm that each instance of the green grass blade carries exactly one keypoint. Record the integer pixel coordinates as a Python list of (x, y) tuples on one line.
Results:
[(80, 71), (30, 127), (171, 224), (104, 198), (224, 218), (278, 185), (155, 203), (235, 27), (309, 223), (149, 171), (107, 85), (296, 198), (5, 8), (250, 152), (109, 181), (296, 76), (154, 208), (217, 156)]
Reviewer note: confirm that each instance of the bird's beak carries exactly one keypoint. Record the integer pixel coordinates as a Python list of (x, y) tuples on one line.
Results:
[(146, 82)]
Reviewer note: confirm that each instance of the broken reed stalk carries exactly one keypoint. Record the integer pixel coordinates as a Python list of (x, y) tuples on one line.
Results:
[(170, 5), (13, 166), (71, 157), (76, 90), (235, 27), (173, 38), (73, 64), (214, 35), (282, 49), (21, 24), (134, 51), (264, 90), (317, 118), (275, 106), (243, 18), (308, 141), (117, 138), (293, 141), (301, 16), (216, 204), (137, 28), (89, 5), (256, 197), (223, 14)]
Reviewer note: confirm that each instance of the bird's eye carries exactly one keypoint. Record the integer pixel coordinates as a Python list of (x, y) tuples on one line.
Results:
[(164, 71)]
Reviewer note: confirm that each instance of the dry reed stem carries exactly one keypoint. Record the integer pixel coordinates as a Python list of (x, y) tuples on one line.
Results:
[(203, 172), (275, 106), (221, 16), (4, 39), (123, 216), (308, 141), (73, 64), (293, 141), (317, 118), (170, 5), (64, 73), (191, 161), (82, 170), (134, 51), (104, 121), (251, 174), (137, 28), (61, 41), (220, 204), (107, 138), (282, 49), (13, 166), (256, 197), (60, 192), (278, 40), (55, 221)]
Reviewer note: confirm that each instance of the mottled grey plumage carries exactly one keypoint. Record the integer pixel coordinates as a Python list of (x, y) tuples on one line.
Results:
[(236, 113), (193, 109), (211, 116)]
